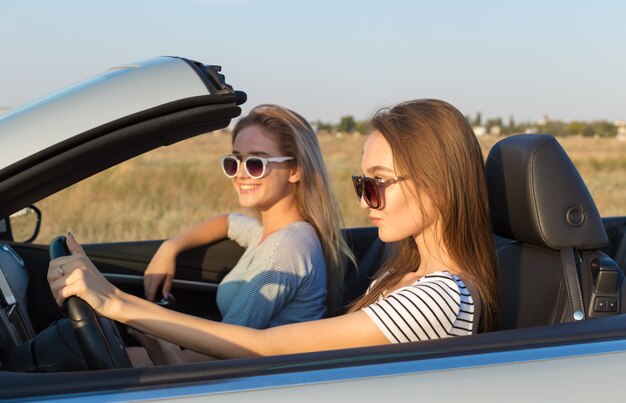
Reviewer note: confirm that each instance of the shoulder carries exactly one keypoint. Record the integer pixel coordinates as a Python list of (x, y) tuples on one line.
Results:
[(301, 231), (296, 246), (450, 284), (426, 309), (296, 236), (243, 229), (441, 289), (240, 220)]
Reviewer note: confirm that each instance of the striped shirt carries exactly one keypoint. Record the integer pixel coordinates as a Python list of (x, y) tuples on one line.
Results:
[(437, 305), (275, 282)]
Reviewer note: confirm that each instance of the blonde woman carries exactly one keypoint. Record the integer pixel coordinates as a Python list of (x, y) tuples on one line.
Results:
[(423, 185), (295, 256)]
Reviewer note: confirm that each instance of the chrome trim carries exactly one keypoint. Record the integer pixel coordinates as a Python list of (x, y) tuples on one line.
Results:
[(138, 280)]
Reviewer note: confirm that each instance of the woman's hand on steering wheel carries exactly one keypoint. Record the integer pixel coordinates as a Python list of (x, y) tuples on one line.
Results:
[(76, 275), (74, 278)]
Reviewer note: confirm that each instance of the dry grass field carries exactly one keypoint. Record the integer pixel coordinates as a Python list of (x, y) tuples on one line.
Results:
[(157, 195)]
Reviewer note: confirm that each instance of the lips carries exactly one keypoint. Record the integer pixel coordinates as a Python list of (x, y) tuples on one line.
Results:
[(375, 220), (247, 187)]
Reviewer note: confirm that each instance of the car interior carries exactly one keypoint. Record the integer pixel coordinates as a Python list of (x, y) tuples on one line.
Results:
[(560, 274)]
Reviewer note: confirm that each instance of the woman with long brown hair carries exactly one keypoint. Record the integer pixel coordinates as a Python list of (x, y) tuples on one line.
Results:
[(424, 187), (447, 224)]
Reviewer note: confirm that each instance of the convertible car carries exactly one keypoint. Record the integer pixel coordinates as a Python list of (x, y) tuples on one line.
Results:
[(563, 333)]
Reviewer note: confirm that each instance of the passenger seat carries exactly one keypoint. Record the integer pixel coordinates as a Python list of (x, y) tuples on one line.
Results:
[(548, 232)]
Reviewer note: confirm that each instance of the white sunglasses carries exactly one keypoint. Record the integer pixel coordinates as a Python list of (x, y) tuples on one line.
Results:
[(254, 165)]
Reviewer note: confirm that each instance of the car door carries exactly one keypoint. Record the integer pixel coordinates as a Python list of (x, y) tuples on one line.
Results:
[(198, 271), (59, 140)]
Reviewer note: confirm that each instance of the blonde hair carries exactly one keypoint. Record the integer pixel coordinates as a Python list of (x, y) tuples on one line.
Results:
[(433, 143), (315, 199)]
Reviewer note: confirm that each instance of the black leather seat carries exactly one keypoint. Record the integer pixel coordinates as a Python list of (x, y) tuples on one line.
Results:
[(545, 220)]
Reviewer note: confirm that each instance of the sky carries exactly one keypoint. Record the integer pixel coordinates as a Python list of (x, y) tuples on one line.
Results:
[(326, 59)]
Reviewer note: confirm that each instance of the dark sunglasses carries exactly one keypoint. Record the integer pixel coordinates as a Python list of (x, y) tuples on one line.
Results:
[(370, 189), (254, 165)]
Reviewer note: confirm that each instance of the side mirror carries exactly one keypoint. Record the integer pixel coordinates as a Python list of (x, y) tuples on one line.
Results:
[(24, 225)]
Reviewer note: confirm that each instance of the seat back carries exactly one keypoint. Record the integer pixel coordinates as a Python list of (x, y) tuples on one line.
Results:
[(370, 254), (541, 206)]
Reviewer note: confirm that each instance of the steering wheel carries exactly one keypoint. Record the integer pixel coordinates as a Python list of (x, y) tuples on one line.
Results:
[(97, 336)]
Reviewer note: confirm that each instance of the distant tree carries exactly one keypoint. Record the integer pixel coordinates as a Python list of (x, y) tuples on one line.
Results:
[(494, 126), (493, 122), (511, 128), (363, 126), (588, 130), (555, 127), (603, 128), (324, 126), (574, 127), (479, 119), (524, 126), (347, 124)]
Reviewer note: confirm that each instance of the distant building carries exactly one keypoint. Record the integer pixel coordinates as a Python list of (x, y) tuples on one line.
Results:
[(621, 130), (530, 130), (495, 130), (480, 130)]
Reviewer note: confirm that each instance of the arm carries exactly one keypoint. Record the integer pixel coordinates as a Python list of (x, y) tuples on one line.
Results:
[(231, 341), (81, 278), (162, 267)]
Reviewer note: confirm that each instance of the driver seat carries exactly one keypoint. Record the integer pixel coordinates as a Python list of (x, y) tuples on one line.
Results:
[(548, 230)]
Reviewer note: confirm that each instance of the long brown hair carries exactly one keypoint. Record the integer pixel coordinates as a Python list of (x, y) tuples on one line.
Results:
[(315, 199), (434, 144)]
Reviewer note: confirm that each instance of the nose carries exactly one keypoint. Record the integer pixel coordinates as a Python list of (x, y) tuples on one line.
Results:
[(363, 204), (241, 172)]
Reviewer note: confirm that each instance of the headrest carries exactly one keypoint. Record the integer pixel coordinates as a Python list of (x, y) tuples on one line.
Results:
[(537, 196)]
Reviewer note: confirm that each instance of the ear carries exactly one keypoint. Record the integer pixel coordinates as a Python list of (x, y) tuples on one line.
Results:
[(294, 175)]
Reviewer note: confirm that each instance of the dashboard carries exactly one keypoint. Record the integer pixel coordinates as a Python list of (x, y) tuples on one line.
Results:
[(15, 326)]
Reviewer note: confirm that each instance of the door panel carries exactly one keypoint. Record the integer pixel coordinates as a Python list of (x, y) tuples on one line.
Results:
[(616, 230), (198, 271)]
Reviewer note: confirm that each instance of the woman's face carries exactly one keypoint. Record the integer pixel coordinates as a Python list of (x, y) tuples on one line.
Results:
[(280, 177), (400, 216)]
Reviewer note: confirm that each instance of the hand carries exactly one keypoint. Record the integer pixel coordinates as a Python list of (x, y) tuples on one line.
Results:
[(76, 275), (161, 269), (161, 352)]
